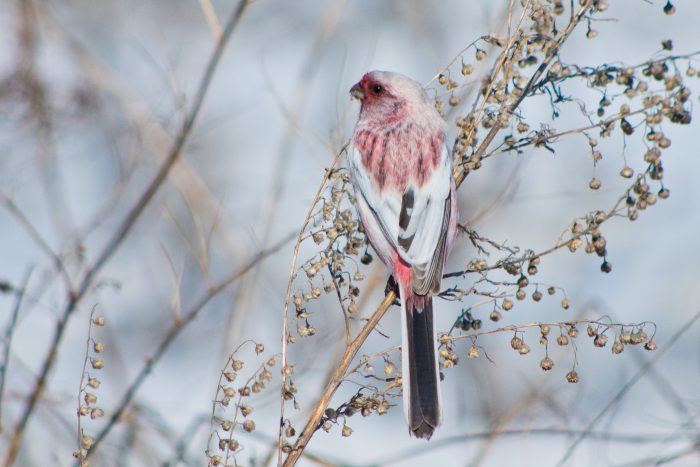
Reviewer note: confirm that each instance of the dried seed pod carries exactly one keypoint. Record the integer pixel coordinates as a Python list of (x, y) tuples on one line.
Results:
[(249, 425), (389, 367), (520, 294), (516, 343), (572, 377), (626, 172), (524, 350), (626, 127), (547, 363), (507, 304), (495, 316), (565, 303), (626, 337), (638, 337), (600, 340), (537, 295), (97, 363), (562, 340), (523, 281), (473, 351), (618, 347), (575, 244), (669, 9)]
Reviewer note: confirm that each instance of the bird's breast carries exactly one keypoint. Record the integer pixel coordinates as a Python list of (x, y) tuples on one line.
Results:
[(399, 156)]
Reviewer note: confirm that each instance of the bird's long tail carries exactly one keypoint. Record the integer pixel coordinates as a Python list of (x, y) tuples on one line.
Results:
[(419, 363)]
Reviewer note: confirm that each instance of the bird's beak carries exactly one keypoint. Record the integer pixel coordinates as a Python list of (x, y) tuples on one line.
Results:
[(357, 92)]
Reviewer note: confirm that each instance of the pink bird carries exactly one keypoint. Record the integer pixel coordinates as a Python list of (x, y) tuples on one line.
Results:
[(402, 175)]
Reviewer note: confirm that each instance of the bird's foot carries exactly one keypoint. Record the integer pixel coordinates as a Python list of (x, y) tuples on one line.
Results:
[(392, 286)]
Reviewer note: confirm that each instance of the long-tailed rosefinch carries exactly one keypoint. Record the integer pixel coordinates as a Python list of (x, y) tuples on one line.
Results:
[(402, 175)]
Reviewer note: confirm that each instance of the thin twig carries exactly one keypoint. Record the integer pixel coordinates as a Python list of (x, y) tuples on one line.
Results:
[(288, 296), (212, 18), (7, 341), (37, 238), (657, 460), (123, 230), (82, 452)]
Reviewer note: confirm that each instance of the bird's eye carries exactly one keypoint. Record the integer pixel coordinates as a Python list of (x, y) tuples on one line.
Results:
[(377, 89)]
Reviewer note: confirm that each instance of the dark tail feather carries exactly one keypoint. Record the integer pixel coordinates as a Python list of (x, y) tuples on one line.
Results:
[(421, 384)]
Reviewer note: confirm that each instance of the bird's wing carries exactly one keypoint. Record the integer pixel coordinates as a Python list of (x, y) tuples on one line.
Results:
[(416, 222), (424, 223)]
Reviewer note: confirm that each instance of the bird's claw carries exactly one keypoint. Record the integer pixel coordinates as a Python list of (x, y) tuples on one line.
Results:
[(392, 286)]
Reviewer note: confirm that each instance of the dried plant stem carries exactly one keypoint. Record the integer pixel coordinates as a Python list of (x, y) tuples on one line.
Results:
[(481, 150), (553, 324), (37, 238), (7, 341), (335, 380), (122, 231), (82, 453), (212, 18), (288, 296)]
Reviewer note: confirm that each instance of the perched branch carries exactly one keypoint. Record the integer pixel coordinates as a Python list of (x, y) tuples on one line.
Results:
[(336, 378)]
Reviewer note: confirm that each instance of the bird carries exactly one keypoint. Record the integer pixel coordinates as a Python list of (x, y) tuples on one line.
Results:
[(401, 172)]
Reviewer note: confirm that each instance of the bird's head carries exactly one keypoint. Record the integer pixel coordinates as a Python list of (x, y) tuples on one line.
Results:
[(387, 97)]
